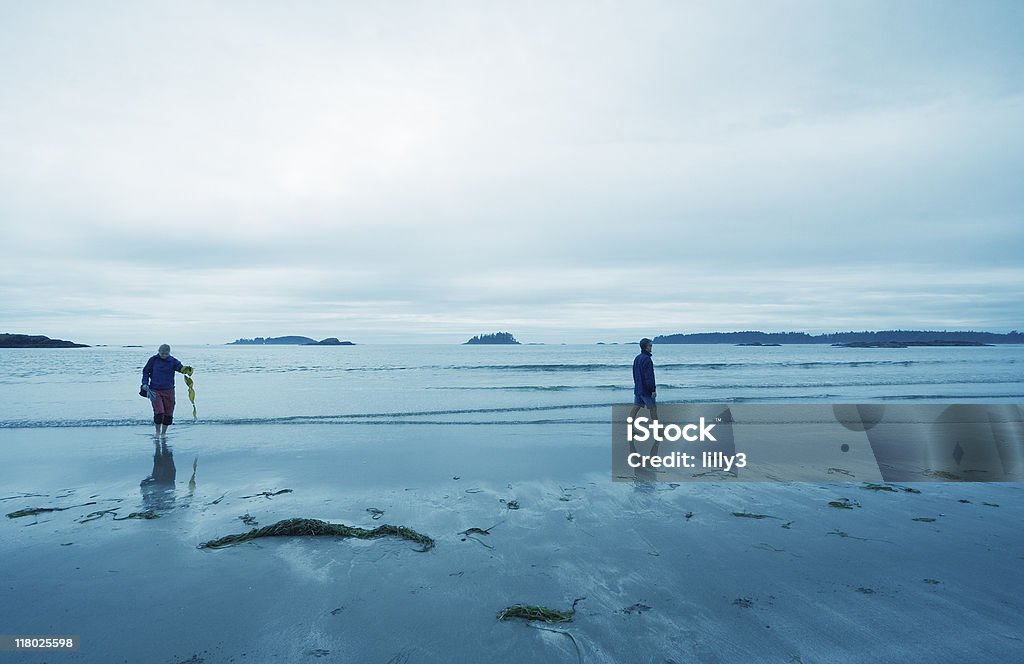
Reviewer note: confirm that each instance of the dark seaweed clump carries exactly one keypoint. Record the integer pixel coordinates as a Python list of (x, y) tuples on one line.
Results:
[(317, 528), (542, 613)]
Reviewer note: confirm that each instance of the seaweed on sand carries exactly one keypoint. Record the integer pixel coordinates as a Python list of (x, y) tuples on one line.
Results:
[(843, 533), (469, 533), (25, 495), (542, 613), (93, 516), (889, 487), (317, 528), (481, 531), (266, 494), (34, 511)]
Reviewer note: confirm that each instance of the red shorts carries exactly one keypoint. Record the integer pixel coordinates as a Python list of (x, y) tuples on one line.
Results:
[(163, 401)]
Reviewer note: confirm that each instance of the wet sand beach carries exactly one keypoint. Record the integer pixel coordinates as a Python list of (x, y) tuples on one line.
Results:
[(519, 515)]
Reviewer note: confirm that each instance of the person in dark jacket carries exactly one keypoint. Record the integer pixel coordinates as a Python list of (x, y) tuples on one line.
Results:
[(644, 386), (158, 385)]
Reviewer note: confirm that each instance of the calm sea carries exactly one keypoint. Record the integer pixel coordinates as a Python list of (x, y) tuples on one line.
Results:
[(455, 384)]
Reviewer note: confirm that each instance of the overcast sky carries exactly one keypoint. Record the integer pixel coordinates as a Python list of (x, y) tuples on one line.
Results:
[(426, 171)]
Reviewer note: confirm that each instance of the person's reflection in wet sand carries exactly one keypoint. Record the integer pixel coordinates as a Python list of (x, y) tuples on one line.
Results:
[(158, 488)]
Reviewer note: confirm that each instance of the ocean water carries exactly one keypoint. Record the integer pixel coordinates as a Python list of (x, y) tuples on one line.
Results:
[(473, 385)]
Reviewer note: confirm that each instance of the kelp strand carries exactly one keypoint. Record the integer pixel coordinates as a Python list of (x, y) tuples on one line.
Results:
[(317, 528), (541, 613)]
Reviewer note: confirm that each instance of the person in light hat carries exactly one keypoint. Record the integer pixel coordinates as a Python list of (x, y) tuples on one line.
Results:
[(158, 385)]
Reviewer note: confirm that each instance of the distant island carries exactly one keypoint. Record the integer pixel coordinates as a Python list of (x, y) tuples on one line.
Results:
[(497, 338), (35, 341), (910, 337), (331, 341), (288, 341), (908, 344)]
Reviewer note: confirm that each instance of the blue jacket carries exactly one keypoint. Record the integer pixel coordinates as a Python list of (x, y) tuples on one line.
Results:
[(643, 375), (159, 374)]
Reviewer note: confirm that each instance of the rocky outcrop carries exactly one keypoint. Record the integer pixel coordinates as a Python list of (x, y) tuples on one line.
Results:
[(35, 341)]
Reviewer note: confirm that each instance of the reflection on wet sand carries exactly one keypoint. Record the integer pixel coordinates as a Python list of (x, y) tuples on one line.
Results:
[(158, 487)]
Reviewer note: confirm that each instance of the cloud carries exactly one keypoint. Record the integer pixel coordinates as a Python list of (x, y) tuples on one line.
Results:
[(404, 167)]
